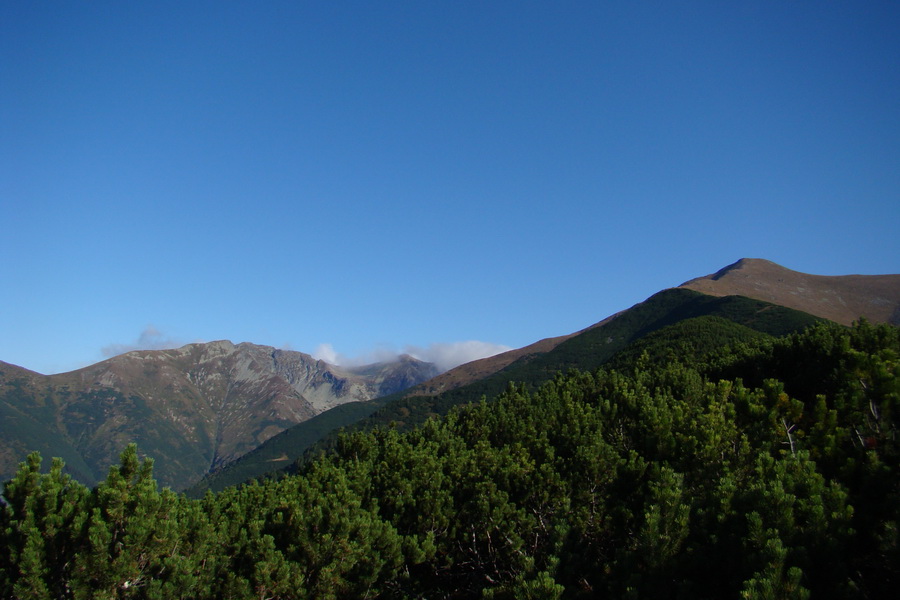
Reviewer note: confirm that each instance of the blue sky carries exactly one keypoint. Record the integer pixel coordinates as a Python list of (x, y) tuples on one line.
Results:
[(365, 177)]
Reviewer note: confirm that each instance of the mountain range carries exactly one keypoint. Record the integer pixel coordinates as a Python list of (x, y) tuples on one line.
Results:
[(683, 315), (232, 412)]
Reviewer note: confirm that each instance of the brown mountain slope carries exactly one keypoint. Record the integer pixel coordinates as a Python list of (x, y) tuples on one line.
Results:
[(841, 298), (481, 368)]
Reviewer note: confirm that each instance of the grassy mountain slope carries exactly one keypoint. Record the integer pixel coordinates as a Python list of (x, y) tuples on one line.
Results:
[(842, 298), (485, 367), (595, 346), (721, 320), (27, 422), (875, 297)]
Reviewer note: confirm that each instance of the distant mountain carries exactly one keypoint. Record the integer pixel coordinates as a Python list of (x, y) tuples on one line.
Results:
[(841, 298), (193, 409), (237, 411)]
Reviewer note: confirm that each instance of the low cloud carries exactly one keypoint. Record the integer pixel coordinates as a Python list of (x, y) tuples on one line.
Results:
[(445, 356), (449, 355), (150, 338), (327, 353)]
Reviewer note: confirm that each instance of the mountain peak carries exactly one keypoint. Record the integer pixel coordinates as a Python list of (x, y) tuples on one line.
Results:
[(744, 264), (196, 407), (840, 298)]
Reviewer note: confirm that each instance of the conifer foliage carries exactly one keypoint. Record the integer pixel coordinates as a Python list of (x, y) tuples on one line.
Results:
[(769, 469)]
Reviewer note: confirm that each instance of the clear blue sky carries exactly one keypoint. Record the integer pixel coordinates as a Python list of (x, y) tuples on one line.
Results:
[(394, 175)]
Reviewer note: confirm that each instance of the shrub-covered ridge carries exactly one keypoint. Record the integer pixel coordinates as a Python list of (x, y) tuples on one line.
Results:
[(767, 470)]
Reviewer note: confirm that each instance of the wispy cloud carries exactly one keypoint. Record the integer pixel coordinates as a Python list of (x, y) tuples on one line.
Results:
[(445, 356), (150, 338), (448, 355), (327, 353)]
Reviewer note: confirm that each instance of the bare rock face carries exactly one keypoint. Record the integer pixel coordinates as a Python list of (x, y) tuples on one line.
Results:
[(194, 408), (841, 298)]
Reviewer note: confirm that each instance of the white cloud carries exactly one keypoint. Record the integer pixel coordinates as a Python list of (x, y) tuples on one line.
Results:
[(150, 338), (327, 353), (445, 356), (449, 355)]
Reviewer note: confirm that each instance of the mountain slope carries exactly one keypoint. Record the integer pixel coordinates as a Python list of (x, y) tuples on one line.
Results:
[(724, 319), (782, 291), (28, 423), (841, 298), (200, 407), (196, 408), (596, 345)]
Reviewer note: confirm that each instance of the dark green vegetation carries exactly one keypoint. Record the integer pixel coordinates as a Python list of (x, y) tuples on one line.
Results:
[(672, 323), (768, 469)]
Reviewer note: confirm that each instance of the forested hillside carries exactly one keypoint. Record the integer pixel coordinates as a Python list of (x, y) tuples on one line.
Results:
[(765, 470), (674, 322)]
